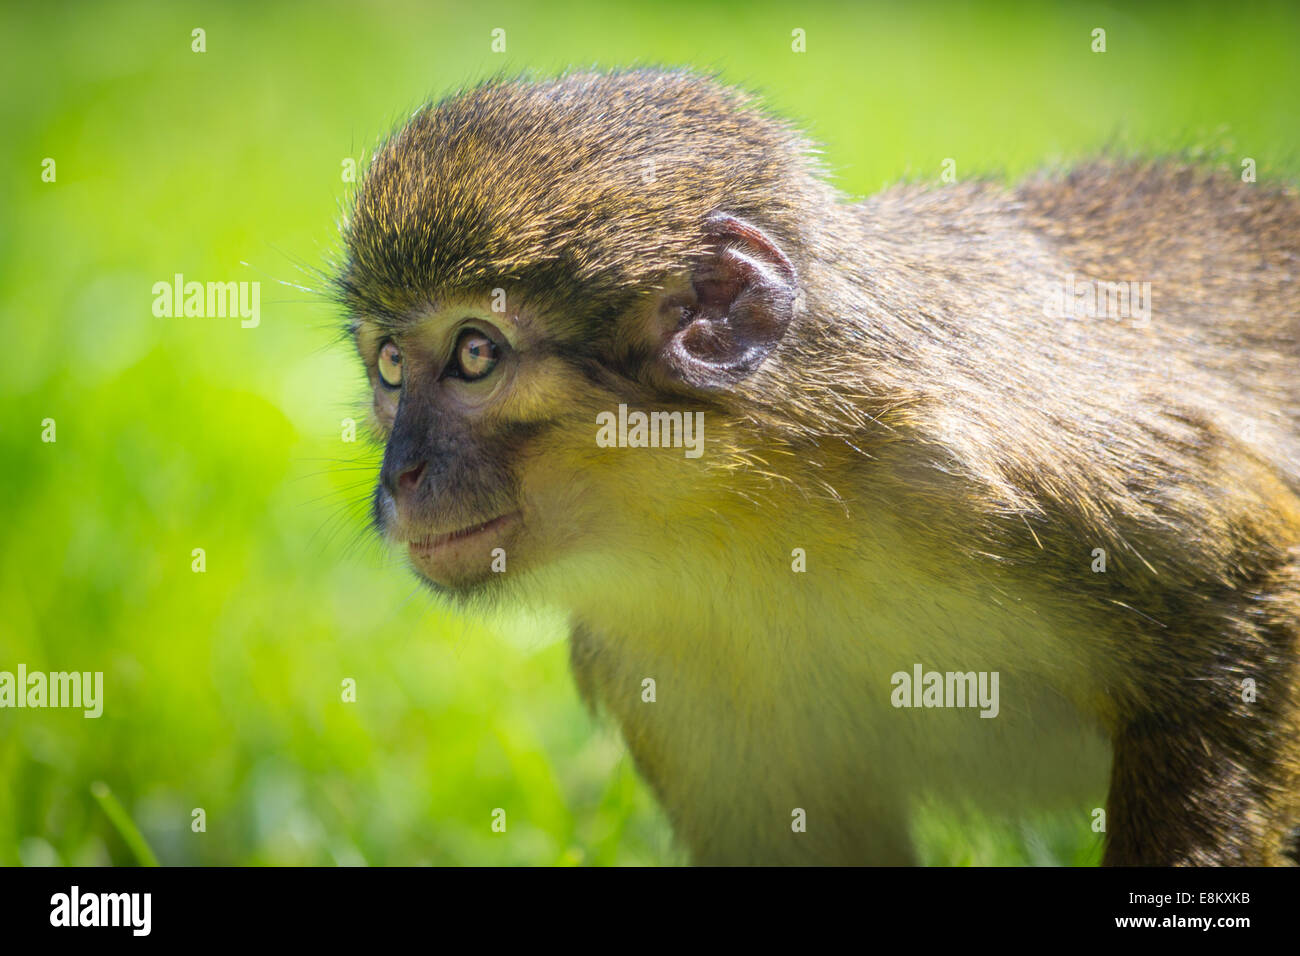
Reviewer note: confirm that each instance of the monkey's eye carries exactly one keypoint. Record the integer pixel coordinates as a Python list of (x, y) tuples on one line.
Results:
[(476, 355), (390, 364)]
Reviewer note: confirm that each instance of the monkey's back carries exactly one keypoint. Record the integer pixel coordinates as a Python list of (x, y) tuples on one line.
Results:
[(1100, 411), (1222, 257)]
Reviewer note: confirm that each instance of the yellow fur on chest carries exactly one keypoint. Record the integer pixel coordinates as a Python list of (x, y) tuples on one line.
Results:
[(752, 695)]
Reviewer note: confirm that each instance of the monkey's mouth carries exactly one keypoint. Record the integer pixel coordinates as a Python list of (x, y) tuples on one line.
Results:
[(431, 542), (466, 553)]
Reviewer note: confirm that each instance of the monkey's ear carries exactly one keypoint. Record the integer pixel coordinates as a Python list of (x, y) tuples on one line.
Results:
[(741, 302)]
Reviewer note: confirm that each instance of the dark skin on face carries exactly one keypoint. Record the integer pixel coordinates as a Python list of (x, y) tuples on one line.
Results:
[(439, 492)]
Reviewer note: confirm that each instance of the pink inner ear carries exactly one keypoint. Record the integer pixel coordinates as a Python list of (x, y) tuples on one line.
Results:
[(747, 240), (745, 258), (744, 293), (720, 280)]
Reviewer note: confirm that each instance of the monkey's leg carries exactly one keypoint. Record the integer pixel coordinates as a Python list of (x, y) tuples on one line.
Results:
[(1178, 797), (1218, 783)]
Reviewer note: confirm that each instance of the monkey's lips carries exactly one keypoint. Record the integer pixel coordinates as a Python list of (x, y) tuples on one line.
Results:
[(464, 555)]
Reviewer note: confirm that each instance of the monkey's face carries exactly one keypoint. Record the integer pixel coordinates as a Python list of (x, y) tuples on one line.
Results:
[(511, 433), (448, 399), (490, 466)]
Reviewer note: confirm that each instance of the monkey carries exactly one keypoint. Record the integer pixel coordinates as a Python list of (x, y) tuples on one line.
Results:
[(919, 454)]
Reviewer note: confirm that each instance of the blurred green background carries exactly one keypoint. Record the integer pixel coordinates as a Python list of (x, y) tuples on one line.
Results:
[(222, 689)]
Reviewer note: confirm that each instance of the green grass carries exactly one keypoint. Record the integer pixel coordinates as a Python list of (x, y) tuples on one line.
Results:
[(222, 689)]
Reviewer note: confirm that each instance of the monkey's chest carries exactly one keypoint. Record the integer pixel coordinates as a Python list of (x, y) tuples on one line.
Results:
[(815, 743)]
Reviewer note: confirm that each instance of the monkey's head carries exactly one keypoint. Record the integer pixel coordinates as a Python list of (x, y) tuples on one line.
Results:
[(524, 257)]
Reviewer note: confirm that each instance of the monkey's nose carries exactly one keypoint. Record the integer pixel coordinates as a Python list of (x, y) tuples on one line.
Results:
[(402, 479), (409, 479)]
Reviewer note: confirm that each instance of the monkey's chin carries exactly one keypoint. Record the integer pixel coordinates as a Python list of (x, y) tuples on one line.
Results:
[(464, 560)]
